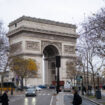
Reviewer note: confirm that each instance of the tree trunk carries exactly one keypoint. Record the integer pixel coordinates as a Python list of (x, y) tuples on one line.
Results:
[(22, 83), (2, 75), (94, 85), (1, 83), (74, 81), (25, 81), (84, 79)]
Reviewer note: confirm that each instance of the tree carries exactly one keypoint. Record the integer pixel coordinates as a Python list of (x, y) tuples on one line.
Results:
[(4, 50), (90, 60), (94, 28), (23, 68), (71, 70), (80, 65), (92, 43)]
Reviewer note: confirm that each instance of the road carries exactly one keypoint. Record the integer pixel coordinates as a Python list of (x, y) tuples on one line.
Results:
[(43, 98), (68, 99)]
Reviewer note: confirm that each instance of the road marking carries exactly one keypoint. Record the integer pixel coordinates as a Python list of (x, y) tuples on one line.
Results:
[(51, 100), (44, 94), (13, 100), (20, 95)]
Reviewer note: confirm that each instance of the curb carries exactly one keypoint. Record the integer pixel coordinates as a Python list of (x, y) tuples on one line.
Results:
[(91, 100), (59, 99)]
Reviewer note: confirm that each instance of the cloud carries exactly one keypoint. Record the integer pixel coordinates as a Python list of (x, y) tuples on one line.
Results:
[(59, 10)]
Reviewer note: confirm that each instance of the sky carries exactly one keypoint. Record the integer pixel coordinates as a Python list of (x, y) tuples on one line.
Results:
[(67, 11)]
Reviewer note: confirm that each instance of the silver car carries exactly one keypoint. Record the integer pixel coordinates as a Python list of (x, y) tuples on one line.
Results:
[(30, 92)]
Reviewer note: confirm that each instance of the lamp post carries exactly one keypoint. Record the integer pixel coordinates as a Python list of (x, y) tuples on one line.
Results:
[(103, 80), (98, 91), (98, 81), (58, 58), (87, 76), (82, 91)]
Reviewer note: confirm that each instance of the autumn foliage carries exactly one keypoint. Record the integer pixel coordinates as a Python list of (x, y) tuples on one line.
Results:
[(24, 68)]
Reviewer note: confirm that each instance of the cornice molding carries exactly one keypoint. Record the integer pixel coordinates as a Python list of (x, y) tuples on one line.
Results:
[(69, 57), (26, 54), (45, 21), (40, 55), (20, 29)]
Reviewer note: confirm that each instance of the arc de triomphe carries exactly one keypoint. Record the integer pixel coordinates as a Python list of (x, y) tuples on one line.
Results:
[(42, 40)]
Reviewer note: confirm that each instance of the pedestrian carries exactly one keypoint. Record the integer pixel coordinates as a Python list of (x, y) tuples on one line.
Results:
[(84, 90), (11, 91), (77, 100), (4, 98)]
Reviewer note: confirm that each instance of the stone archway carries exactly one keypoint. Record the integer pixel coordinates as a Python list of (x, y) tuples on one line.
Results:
[(49, 68), (40, 39)]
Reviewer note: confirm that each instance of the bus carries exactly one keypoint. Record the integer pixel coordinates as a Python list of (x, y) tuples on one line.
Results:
[(7, 86)]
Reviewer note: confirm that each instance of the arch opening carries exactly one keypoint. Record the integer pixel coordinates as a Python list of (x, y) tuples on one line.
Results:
[(49, 64)]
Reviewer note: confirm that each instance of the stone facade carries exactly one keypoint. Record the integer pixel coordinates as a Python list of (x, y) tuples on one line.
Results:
[(32, 36)]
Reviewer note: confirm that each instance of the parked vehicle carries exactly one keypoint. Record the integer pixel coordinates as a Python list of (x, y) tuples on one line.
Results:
[(103, 87), (25, 87), (38, 88), (31, 87), (52, 87), (42, 86), (30, 92)]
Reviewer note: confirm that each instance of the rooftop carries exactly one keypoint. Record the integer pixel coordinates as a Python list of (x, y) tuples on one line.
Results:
[(45, 21)]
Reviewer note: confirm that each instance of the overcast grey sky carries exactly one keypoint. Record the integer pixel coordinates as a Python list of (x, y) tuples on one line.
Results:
[(68, 11)]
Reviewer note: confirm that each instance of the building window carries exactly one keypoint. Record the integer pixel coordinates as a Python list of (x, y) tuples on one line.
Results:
[(15, 24)]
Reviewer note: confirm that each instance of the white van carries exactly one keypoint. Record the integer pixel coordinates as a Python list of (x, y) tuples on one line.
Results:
[(67, 86)]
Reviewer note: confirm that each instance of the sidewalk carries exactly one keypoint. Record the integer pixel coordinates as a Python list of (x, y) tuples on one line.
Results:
[(95, 100), (60, 99)]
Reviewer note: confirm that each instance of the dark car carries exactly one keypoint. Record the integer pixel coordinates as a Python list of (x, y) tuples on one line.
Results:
[(103, 87), (30, 92), (52, 87), (42, 86)]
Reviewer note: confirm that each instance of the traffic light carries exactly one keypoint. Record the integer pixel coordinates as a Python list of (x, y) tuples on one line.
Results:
[(58, 61), (81, 77)]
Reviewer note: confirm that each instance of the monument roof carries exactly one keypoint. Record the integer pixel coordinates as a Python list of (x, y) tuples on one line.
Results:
[(45, 21)]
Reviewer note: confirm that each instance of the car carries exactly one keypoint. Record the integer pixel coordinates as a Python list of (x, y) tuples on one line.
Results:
[(25, 87), (38, 88), (52, 87), (30, 92), (42, 86), (31, 87)]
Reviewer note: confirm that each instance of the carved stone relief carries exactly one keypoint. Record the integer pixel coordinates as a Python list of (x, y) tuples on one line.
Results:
[(69, 49), (32, 45), (16, 47), (51, 37), (56, 44)]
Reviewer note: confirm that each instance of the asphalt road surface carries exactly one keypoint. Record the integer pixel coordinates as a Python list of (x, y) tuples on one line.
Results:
[(68, 99), (43, 98)]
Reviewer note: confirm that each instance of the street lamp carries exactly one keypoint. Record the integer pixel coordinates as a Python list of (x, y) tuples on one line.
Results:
[(58, 64), (98, 92), (103, 80), (98, 81), (81, 78)]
